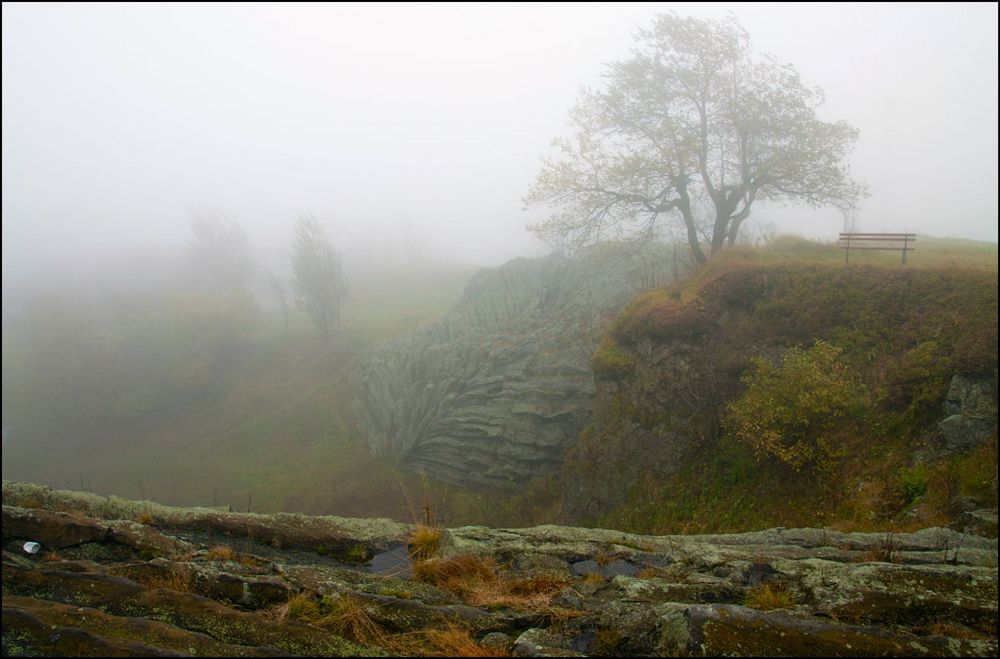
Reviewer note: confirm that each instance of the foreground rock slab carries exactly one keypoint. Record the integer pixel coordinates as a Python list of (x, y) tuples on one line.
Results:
[(184, 582)]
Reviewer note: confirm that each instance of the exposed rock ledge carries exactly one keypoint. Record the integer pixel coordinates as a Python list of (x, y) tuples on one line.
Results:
[(494, 391), (137, 578)]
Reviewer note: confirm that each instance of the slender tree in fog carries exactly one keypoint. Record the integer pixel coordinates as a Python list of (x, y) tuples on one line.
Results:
[(694, 114), (280, 292), (319, 285), (221, 253)]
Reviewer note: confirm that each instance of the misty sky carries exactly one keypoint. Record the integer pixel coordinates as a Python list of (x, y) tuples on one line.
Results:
[(431, 120)]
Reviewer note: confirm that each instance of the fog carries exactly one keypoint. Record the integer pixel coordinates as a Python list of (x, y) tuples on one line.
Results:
[(426, 124), (217, 219)]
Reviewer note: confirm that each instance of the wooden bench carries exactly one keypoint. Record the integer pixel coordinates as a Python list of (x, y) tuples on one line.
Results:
[(899, 242)]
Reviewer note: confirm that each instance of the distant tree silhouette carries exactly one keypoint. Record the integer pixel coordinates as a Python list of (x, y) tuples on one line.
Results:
[(318, 282)]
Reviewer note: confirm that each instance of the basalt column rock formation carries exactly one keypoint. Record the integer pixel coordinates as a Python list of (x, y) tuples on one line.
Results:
[(492, 392)]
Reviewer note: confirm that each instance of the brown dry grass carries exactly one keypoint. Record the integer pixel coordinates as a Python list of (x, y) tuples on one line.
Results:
[(31, 502), (424, 542), (221, 553), (348, 617), (144, 518), (886, 551), (451, 641), (769, 596), (227, 553), (174, 580), (478, 582), (457, 642), (608, 643), (301, 607), (953, 629)]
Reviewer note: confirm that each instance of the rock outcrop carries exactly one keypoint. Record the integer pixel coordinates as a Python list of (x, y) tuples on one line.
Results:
[(971, 406), (491, 393), (544, 591)]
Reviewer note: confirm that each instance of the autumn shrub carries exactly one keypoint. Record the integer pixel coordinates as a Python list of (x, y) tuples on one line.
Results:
[(659, 314), (913, 482), (670, 319), (736, 284), (792, 411), (610, 361), (918, 383)]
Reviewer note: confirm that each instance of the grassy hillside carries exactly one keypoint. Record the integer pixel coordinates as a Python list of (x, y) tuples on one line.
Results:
[(896, 337)]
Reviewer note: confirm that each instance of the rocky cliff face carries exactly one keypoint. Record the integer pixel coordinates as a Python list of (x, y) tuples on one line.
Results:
[(650, 422), (116, 577), (971, 406), (493, 392)]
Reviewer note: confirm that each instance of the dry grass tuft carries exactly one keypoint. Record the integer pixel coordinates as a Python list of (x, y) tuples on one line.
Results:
[(144, 518), (348, 617), (537, 584), (227, 553), (174, 580), (424, 542), (593, 577), (648, 573), (51, 557), (608, 643), (457, 642), (954, 629), (302, 607), (440, 571), (221, 553), (769, 596), (478, 581), (451, 641), (886, 551)]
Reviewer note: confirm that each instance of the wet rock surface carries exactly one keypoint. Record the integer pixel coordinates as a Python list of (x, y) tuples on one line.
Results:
[(543, 591)]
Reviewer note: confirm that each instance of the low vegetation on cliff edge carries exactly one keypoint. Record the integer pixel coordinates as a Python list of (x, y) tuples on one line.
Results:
[(828, 383)]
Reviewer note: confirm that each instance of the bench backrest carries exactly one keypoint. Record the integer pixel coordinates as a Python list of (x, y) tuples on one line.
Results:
[(893, 241), (898, 242)]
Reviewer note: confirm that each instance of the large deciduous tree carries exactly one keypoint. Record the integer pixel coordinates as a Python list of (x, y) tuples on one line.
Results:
[(318, 282), (693, 127)]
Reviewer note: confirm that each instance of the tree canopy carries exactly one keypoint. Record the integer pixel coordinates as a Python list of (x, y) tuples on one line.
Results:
[(695, 128)]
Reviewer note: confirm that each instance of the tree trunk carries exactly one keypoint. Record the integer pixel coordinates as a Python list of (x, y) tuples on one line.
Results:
[(692, 233)]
